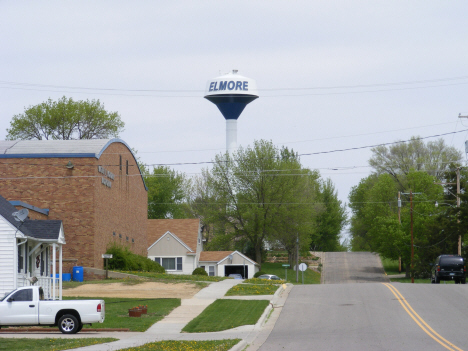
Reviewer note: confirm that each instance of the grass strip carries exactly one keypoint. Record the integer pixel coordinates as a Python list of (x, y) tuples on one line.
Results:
[(263, 281), (310, 276), (251, 289), (170, 278), (174, 345), (227, 314), (117, 312), (47, 344)]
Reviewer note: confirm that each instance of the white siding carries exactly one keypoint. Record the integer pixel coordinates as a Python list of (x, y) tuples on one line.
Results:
[(188, 263), (7, 257)]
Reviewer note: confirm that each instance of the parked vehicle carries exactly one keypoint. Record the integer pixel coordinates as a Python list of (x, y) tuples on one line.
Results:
[(235, 276), (269, 276), (449, 267), (26, 306)]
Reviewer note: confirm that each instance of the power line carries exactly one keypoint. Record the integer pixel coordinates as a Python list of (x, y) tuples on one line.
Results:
[(121, 92)]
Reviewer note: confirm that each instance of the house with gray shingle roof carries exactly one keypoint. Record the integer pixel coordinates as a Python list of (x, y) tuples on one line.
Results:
[(29, 250)]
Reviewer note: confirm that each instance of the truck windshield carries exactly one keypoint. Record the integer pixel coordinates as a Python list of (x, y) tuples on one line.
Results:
[(6, 294)]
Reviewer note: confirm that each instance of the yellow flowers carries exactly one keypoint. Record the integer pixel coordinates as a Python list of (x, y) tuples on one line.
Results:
[(172, 345), (252, 289)]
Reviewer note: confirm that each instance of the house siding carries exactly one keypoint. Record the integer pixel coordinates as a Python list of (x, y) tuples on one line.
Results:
[(7, 257), (167, 248)]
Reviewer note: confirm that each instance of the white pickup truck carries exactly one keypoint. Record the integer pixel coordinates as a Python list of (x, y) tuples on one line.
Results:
[(26, 306)]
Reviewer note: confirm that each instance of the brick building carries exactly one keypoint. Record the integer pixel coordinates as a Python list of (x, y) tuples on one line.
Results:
[(93, 186)]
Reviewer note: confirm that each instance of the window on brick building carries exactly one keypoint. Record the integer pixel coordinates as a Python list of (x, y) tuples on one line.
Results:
[(113, 233), (120, 236), (126, 238), (133, 240)]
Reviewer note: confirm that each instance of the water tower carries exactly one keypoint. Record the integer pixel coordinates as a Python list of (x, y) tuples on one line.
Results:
[(231, 93)]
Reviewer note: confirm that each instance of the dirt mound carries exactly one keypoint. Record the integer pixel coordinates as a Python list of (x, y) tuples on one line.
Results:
[(143, 290)]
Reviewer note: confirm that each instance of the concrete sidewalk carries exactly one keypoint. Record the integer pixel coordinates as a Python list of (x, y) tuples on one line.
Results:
[(171, 326)]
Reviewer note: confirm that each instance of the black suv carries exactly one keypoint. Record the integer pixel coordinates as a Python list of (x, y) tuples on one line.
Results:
[(449, 267)]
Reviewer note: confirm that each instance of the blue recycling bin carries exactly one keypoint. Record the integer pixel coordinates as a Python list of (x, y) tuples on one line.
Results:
[(66, 277), (78, 274)]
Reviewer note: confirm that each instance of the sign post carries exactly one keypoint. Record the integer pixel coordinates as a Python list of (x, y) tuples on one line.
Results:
[(106, 257), (302, 268), (286, 266)]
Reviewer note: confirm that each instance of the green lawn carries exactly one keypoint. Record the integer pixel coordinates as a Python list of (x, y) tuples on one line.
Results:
[(117, 312), (173, 345), (390, 266), (310, 276), (263, 281), (47, 344), (252, 289), (227, 314)]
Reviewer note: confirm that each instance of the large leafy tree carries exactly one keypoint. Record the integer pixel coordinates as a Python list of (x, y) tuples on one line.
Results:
[(65, 119), (433, 157), (330, 221), (375, 225), (166, 193), (258, 193)]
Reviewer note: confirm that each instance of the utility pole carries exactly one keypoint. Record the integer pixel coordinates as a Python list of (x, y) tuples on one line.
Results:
[(458, 206), (412, 238), (399, 220), (412, 242), (458, 196), (297, 258)]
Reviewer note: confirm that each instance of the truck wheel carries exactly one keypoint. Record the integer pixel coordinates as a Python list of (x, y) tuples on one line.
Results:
[(436, 280), (79, 328), (463, 281), (68, 324)]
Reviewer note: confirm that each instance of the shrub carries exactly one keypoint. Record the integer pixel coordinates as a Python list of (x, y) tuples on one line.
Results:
[(258, 274), (199, 271), (124, 259)]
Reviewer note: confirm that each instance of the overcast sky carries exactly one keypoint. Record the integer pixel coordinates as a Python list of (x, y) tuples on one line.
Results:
[(331, 74)]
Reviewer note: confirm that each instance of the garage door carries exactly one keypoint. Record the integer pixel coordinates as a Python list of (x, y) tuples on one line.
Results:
[(237, 269)]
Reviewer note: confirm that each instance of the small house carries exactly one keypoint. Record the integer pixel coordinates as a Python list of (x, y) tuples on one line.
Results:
[(223, 263), (29, 252), (175, 244)]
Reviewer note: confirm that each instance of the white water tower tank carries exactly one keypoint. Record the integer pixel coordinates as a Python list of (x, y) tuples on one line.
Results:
[(231, 93)]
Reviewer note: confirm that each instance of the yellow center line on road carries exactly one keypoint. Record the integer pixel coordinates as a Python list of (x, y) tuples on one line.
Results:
[(419, 321)]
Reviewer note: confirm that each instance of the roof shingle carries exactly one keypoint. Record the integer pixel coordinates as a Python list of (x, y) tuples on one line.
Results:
[(214, 256), (185, 229)]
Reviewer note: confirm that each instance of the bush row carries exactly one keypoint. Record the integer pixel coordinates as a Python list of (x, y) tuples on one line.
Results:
[(124, 259)]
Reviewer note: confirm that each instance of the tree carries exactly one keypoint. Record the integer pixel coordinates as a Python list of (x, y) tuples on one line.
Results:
[(398, 159), (166, 193), (258, 193), (65, 119), (330, 221), (375, 225)]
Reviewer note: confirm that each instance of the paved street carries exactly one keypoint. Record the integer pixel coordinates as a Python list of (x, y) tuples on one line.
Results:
[(352, 267), (369, 317), (344, 314)]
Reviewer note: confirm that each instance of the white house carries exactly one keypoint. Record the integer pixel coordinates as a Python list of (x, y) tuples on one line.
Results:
[(177, 244), (29, 250)]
